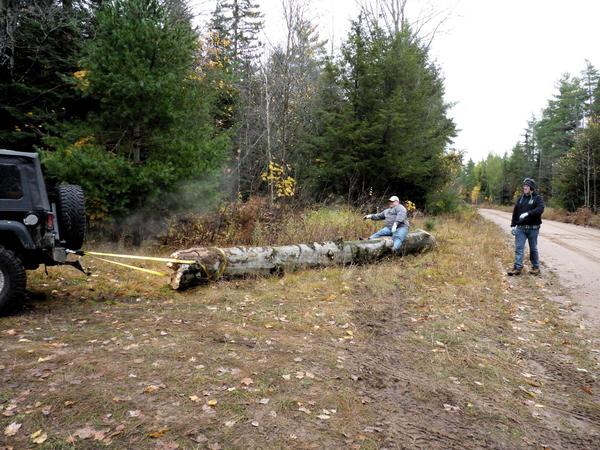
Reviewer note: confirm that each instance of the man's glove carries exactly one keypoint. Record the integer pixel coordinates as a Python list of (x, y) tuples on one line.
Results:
[(394, 227), (513, 231), (522, 216), (368, 216)]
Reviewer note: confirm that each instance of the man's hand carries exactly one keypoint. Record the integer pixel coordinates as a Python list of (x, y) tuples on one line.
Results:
[(368, 216), (522, 216), (394, 227), (513, 231)]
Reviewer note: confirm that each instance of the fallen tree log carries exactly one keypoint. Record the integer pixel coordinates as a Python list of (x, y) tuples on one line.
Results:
[(214, 263)]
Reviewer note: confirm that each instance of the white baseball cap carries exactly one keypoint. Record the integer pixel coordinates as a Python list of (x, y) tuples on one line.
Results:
[(393, 198)]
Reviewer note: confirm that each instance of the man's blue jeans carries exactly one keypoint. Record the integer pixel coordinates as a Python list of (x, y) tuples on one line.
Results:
[(398, 237), (523, 235)]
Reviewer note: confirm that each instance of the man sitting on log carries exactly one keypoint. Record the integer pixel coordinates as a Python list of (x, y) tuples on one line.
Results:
[(396, 223)]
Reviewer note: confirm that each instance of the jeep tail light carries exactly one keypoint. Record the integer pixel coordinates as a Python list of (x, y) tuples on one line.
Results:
[(50, 221)]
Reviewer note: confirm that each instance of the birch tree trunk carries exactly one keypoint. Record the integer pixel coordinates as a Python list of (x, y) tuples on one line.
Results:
[(237, 262)]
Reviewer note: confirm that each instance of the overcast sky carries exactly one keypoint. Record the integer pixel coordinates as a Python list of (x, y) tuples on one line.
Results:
[(501, 59)]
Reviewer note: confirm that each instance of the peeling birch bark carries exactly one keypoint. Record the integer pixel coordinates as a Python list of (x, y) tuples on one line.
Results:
[(214, 263)]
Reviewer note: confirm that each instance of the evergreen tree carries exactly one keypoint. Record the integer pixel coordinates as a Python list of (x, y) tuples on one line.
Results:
[(555, 131), (239, 22), (39, 45), (151, 125), (590, 80), (388, 129), (468, 179)]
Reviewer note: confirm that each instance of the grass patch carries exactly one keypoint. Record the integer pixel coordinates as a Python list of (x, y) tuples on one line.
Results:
[(350, 357)]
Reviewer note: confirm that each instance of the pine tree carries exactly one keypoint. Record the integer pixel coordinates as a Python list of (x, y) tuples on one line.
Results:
[(39, 47), (394, 118), (150, 125), (237, 23), (555, 131)]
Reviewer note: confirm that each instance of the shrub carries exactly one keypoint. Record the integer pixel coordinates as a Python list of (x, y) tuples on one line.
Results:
[(446, 200), (429, 224)]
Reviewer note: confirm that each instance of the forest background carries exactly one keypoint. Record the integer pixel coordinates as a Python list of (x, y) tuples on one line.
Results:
[(154, 116)]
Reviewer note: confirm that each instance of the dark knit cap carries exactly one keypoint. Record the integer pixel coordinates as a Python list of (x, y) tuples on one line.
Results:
[(530, 182)]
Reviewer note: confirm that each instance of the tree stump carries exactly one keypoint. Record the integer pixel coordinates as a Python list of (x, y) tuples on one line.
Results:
[(213, 263)]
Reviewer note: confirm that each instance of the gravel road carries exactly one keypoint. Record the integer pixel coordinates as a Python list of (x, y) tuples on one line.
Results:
[(573, 253)]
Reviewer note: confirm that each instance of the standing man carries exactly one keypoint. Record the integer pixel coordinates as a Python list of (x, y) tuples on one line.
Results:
[(525, 226), (396, 222)]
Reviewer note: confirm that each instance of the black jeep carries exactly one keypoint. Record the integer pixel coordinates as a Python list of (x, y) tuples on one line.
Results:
[(34, 228)]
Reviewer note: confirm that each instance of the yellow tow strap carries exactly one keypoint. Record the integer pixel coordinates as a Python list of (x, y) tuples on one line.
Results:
[(152, 272), (143, 258)]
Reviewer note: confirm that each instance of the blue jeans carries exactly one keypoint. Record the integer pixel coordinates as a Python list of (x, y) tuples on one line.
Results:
[(398, 237), (531, 236)]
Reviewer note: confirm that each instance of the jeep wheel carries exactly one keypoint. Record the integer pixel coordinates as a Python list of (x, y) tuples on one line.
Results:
[(71, 215), (12, 280)]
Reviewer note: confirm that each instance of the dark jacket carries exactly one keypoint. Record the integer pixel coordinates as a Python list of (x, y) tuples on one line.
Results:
[(532, 204)]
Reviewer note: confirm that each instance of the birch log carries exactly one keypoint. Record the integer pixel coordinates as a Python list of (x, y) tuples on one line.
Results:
[(214, 263)]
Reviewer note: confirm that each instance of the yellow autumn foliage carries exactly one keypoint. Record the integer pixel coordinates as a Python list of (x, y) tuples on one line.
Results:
[(275, 175), (81, 78)]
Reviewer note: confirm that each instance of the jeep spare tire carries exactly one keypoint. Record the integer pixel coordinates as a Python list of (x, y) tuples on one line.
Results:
[(12, 280), (71, 215)]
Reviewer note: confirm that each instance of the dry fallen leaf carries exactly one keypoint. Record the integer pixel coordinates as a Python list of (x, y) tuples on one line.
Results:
[(194, 398), (531, 394), (247, 381), (451, 408), (587, 390), (151, 388), (167, 446), (12, 429), (10, 410), (39, 437), (208, 410), (84, 433), (199, 438), (159, 433), (100, 435)]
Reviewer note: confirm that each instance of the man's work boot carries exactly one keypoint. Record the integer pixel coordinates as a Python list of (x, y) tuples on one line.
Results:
[(514, 272), (535, 271)]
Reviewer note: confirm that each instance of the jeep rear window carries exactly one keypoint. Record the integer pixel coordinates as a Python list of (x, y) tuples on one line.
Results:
[(10, 182)]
